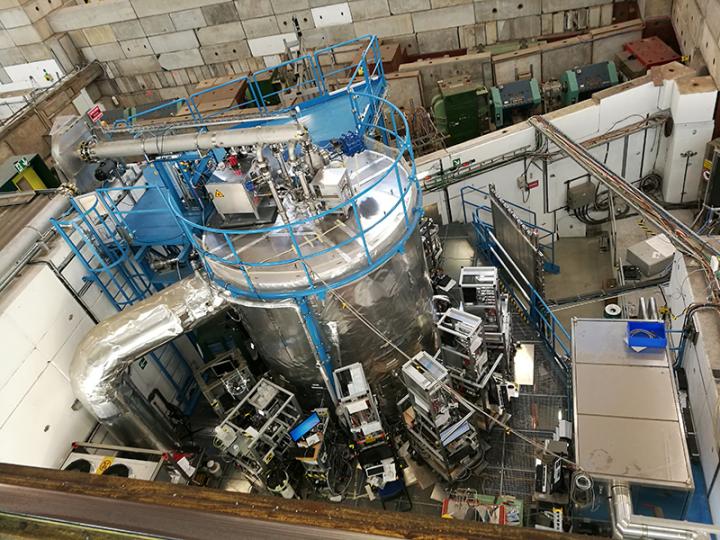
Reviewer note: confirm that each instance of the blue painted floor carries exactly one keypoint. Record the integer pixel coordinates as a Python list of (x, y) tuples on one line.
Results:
[(698, 508)]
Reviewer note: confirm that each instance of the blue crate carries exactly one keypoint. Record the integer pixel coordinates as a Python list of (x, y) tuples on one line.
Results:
[(649, 334)]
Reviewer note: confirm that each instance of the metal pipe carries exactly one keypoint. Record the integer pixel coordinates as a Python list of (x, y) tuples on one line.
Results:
[(628, 525), (13, 254), (186, 142), (99, 372), (643, 308), (675, 229)]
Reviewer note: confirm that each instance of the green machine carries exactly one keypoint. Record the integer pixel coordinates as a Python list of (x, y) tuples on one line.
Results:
[(517, 97), (579, 83), (461, 109)]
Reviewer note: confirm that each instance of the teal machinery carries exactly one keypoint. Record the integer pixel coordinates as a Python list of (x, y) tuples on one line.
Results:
[(581, 82)]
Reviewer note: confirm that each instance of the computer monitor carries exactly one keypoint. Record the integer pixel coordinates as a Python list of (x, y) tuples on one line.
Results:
[(304, 427)]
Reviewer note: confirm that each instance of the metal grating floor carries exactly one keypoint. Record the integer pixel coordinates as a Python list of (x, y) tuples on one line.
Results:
[(511, 461)]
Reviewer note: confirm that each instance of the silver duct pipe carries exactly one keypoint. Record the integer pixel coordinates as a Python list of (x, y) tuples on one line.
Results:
[(627, 525), (14, 254), (186, 142), (99, 372)]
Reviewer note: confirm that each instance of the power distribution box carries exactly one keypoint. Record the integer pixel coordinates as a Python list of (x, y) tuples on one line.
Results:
[(580, 194)]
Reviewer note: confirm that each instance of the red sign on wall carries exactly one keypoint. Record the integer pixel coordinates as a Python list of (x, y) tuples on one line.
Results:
[(95, 113)]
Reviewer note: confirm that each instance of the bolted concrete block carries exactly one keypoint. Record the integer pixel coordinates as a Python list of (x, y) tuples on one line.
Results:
[(435, 4), (36, 52), (25, 35), (268, 45), (491, 32), (394, 25), (174, 92), (606, 15), (141, 64), (260, 27), (157, 24), (558, 22), (594, 17), (37, 9), (108, 51), (221, 33), (304, 19), (14, 17), (180, 77), (252, 9), (551, 6), (136, 47), (12, 57), (128, 30), (496, 10), (522, 27), (442, 18), (408, 43), (181, 59), (97, 35), (6, 4), (5, 40), (88, 53), (284, 6), (93, 14), (369, 9), (176, 41), (78, 38), (546, 23), (65, 51), (188, 19), (327, 35), (220, 13), (225, 52), (398, 7), (146, 8), (472, 35), (446, 39)]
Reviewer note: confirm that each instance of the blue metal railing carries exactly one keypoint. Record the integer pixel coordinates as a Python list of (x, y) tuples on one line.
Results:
[(322, 80), (532, 304), (544, 235), (368, 120)]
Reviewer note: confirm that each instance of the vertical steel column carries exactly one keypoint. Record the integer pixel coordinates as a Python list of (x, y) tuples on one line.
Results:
[(324, 360)]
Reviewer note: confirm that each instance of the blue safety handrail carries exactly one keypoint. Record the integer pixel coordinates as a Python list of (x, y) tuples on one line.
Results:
[(546, 234), (317, 85), (367, 123), (531, 302)]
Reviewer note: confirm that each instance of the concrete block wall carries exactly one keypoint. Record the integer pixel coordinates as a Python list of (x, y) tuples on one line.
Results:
[(27, 36), (697, 26), (159, 49)]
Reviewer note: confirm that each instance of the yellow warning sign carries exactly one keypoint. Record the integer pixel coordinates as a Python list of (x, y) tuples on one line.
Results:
[(104, 464), (218, 194)]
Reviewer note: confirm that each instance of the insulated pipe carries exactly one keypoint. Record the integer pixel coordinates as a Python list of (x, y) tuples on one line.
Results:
[(627, 525), (12, 255), (186, 142), (99, 372)]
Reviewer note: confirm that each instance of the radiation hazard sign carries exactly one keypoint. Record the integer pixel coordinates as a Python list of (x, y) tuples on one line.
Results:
[(218, 194)]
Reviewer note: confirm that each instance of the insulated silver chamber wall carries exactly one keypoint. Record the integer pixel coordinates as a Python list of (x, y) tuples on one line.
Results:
[(395, 299)]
